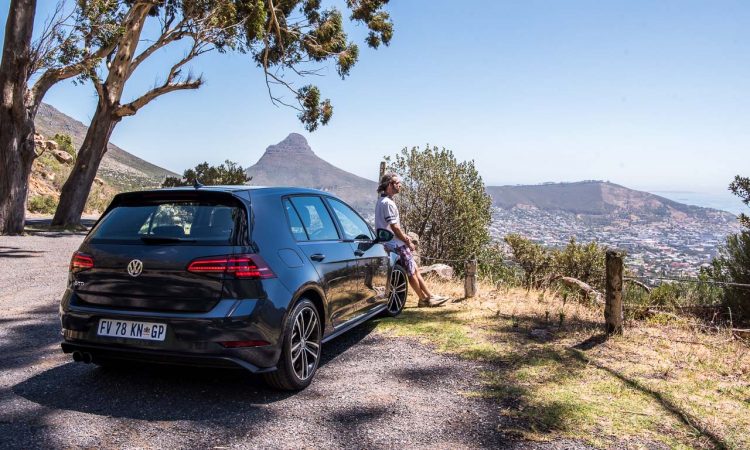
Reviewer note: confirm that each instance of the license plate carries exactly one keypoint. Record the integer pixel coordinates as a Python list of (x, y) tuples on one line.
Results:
[(132, 330)]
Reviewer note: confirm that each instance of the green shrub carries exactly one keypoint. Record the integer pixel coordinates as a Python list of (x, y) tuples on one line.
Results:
[(42, 204), (65, 143), (492, 267), (733, 265)]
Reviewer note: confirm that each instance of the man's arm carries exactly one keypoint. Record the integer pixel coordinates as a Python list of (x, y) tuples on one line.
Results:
[(401, 235)]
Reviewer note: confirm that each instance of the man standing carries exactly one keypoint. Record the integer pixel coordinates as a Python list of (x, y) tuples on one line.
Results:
[(387, 217)]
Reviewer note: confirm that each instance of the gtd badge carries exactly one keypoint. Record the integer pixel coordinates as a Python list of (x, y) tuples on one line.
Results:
[(135, 267)]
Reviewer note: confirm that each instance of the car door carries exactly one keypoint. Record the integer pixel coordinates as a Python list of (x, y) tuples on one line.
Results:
[(372, 259), (333, 259)]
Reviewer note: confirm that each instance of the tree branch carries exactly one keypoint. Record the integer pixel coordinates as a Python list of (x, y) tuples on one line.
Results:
[(131, 108), (177, 33), (54, 75)]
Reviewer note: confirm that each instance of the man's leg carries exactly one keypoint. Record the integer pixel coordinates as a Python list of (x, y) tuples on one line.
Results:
[(414, 282), (422, 286)]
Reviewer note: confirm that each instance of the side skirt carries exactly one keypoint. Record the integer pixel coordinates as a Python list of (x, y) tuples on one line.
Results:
[(349, 325)]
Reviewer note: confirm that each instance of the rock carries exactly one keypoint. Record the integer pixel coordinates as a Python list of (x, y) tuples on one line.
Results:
[(443, 271), (51, 146), (98, 181), (540, 334), (63, 157), (414, 239)]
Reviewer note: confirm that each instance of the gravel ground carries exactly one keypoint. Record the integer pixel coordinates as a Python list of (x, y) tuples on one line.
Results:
[(371, 391)]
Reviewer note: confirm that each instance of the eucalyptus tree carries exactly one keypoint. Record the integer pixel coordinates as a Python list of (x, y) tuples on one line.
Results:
[(70, 44), (284, 38)]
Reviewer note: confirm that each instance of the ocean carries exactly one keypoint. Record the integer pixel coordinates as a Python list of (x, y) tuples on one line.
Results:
[(725, 201)]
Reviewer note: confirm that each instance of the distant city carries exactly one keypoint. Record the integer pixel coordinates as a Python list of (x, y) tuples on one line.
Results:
[(670, 247)]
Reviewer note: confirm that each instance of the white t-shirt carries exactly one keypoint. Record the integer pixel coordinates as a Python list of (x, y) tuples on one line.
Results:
[(386, 214)]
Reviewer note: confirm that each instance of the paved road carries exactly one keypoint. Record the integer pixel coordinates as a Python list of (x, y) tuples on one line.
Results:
[(371, 390)]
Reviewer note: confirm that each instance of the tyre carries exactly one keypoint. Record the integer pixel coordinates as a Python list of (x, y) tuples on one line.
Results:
[(398, 288), (300, 352)]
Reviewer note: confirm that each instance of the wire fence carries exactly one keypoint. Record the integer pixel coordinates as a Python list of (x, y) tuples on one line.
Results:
[(691, 280), (670, 278)]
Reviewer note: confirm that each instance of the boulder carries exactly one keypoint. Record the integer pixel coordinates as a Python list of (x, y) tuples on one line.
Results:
[(443, 271), (63, 157), (51, 146)]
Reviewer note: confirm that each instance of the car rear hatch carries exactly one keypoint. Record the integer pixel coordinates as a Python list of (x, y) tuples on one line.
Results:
[(142, 249)]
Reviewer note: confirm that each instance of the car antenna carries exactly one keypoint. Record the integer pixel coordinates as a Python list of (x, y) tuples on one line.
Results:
[(197, 184)]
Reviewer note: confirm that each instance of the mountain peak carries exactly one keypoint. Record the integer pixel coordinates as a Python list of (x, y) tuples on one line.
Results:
[(293, 144)]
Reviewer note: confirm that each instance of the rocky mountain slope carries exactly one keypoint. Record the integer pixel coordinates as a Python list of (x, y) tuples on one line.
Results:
[(292, 162), (600, 199), (119, 168)]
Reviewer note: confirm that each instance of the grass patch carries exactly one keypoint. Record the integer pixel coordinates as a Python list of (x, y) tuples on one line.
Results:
[(662, 382)]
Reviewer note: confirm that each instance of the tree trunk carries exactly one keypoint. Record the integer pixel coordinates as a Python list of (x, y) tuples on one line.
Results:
[(16, 123), (76, 189)]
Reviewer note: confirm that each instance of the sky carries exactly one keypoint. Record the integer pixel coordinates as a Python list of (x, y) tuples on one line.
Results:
[(653, 95)]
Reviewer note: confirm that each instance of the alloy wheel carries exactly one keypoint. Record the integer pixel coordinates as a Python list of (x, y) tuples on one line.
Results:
[(397, 291), (305, 343)]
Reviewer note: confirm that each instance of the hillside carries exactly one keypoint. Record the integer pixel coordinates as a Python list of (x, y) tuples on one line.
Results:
[(119, 168), (599, 198), (292, 162)]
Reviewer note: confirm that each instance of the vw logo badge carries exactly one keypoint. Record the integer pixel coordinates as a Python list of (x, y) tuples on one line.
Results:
[(135, 267)]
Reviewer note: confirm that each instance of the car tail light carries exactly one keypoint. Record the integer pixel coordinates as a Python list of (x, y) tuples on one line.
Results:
[(81, 261), (239, 344), (241, 266)]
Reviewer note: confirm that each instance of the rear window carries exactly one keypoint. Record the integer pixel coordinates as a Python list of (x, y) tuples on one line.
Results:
[(179, 222)]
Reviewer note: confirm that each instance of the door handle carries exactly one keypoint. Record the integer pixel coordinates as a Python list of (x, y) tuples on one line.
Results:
[(318, 257), (359, 253)]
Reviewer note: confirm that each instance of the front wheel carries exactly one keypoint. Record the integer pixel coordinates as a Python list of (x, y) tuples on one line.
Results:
[(398, 288), (300, 353)]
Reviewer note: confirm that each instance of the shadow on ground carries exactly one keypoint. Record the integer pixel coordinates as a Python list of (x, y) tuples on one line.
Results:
[(523, 378), (163, 392)]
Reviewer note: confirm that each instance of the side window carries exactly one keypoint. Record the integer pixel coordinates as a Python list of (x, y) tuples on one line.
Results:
[(315, 218), (295, 224), (353, 225)]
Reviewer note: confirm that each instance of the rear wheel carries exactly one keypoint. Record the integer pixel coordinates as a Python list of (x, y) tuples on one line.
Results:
[(300, 353), (398, 288)]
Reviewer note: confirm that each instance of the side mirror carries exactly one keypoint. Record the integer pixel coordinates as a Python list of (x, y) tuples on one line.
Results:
[(383, 235)]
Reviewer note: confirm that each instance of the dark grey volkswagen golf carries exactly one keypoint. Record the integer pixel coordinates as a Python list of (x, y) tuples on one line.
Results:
[(226, 276)]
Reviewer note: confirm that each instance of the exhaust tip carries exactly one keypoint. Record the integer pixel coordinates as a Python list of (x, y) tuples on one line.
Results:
[(77, 357), (87, 358)]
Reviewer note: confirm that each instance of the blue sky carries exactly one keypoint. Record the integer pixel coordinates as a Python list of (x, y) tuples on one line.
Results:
[(649, 94)]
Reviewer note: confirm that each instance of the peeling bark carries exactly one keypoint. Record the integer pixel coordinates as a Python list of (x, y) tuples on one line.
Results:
[(16, 122)]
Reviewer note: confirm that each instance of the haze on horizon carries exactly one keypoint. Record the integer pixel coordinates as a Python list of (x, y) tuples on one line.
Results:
[(650, 95)]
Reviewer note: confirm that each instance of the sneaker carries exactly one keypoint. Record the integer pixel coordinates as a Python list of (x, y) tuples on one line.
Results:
[(435, 300)]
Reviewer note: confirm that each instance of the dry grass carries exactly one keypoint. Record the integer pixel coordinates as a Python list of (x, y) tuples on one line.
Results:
[(665, 381)]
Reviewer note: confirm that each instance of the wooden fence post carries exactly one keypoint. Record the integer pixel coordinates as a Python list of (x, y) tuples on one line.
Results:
[(470, 282), (613, 311)]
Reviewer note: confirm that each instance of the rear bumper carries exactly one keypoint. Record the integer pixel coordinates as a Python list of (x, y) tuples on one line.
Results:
[(191, 338), (104, 353)]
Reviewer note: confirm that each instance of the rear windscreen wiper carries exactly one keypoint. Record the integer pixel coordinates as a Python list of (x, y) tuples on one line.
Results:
[(157, 239)]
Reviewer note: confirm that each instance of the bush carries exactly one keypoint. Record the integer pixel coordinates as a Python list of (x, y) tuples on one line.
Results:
[(65, 143), (228, 173), (493, 268), (585, 262), (732, 265), (541, 265), (42, 204), (534, 259), (443, 201)]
